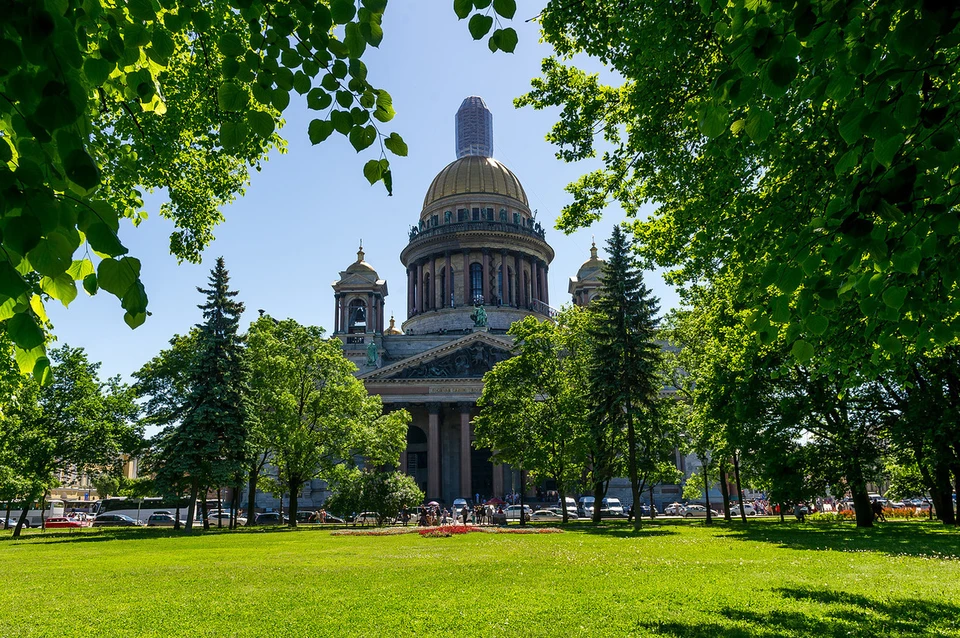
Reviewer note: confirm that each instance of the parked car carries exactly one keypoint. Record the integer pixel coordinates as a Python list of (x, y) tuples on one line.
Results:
[(308, 517), (271, 518), (697, 511), (163, 520), (512, 512), (330, 518), (547, 515), (611, 507), (366, 518), (61, 522), (585, 506), (674, 509), (223, 516), (645, 509), (571, 506), (115, 520), (747, 509)]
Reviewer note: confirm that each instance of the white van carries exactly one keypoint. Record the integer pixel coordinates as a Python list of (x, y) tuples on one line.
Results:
[(571, 506), (613, 506), (586, 506)]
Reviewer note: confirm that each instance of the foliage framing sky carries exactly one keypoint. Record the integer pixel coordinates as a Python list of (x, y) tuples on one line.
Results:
[(304, 215)]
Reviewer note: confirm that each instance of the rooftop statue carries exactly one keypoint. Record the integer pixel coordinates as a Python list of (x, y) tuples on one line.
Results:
[(372, 353), (479, 316)]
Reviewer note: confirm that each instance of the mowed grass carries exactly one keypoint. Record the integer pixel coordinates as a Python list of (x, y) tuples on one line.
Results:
[(672, 579)]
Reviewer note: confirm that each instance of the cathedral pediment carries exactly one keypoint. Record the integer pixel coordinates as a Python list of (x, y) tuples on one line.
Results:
[(468, 358)]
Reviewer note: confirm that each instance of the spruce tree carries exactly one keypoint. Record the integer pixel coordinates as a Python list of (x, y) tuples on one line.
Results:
[(624, 375), (209, 446)]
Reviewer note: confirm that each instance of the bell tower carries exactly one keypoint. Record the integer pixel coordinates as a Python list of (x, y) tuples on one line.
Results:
[(358, 315)]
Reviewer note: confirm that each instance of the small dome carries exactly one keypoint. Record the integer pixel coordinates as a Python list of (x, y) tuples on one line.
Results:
[(360, 266), (475, 175), (591, 268), (392, 329)]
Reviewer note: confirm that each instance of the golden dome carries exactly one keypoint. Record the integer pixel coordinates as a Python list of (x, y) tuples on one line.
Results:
[(392, 330), (593, 267), (475, 175), (361, 266)]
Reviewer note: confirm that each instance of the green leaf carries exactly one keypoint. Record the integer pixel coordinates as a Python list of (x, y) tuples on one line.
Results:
[(848, 160), (713, 121), (818, 324), (342, 11), (81, 169), (11, 282), (62, 287), (790, 279), (885, 149), (362, 137), (801, 350), (462, 8), (840, 85), (479, 25), (103, 240), (372, 33), (373, 171), (396, 145), (134, 321), (759, 124), (907, 261), (354, 40), (891, 344), (894, 296), (231, 45), (135, 299), (29, 359), (24, 331), (232, 97), (232, 134), (505, 8), (97, 70), (849, 126), (506, 39), (318, 99), (52, 256), (782, 71), (90, 284), (116, 277), (80, 269), (319, 130), (22, 233), (261, 123)]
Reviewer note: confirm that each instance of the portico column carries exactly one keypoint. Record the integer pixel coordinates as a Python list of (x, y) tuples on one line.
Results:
[(410, 287), (418, 306), (546, 284), (344, 324), (467, 300), (336, 312), (447, 281), (486, 276), (516, 280), (465, 469), (432, 293), (533, 280), (371, 313), (433, 451), (504, 291)]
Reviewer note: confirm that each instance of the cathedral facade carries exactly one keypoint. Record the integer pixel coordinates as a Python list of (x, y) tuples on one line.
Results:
[(476, 261)]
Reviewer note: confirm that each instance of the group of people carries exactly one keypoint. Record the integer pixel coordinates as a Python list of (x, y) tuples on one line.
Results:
[(434, 515)]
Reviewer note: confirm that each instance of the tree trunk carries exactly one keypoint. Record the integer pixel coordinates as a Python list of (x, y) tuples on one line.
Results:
[(523, 489), (632, 469), (724, 490), (6, 517), (220, 507), (235, 505), (192, 505), (598, 492), (653, 510), (204, 513), (252, 495), (780, 507), (294, 487), (43, 512), (858, 489), (956, 481), (736, 475), (563, 500), (23, 517), (176, 521), (706, 492), (942, 500)]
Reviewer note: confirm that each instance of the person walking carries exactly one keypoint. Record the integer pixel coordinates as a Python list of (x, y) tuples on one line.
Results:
[(877, 507)]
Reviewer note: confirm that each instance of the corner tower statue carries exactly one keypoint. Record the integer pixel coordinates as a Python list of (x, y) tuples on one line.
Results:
[(475, 250)]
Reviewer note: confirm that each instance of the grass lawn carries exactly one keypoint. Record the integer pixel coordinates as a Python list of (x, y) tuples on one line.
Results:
[(672, 579)]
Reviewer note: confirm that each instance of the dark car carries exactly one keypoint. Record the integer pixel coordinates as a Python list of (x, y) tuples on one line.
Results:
[(163, 520), (306, 516), (271, 518), (115, 520)]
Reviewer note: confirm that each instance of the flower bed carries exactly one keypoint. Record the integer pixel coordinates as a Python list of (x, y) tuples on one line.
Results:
[(444, 531)]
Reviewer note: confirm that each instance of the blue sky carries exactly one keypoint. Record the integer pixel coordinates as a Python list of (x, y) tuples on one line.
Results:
[(303, 216)]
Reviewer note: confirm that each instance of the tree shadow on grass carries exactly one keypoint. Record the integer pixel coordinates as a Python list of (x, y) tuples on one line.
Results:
[(927, 540), (834, 614), (620, 530), (127, 534)]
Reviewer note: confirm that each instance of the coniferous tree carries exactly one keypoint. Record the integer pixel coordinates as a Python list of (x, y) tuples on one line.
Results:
[(209, 445), (624, 376)]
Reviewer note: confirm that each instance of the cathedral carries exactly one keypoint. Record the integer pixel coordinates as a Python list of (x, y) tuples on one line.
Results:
[(476, 261)]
